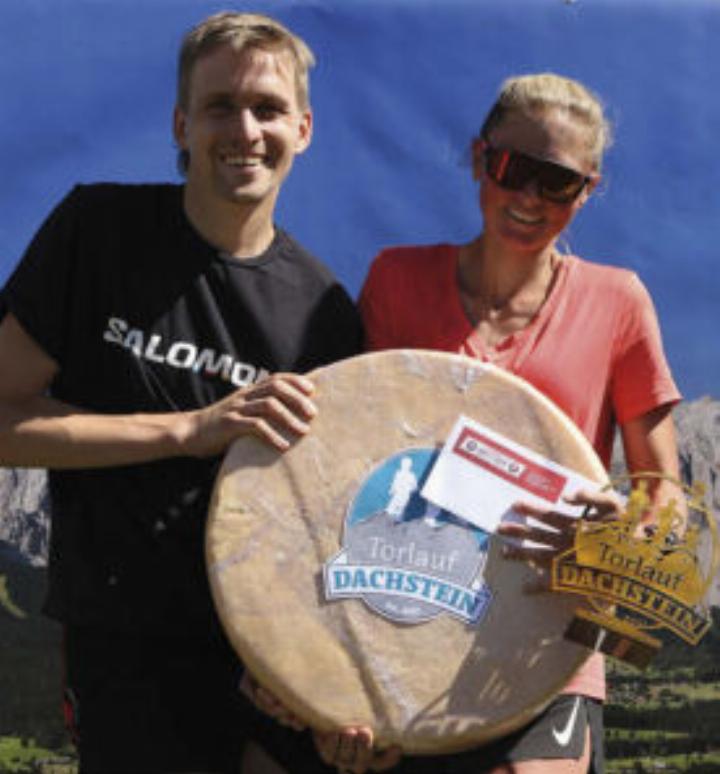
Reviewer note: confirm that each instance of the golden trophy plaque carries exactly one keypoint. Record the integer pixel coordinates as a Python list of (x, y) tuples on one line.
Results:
[(646, 571)]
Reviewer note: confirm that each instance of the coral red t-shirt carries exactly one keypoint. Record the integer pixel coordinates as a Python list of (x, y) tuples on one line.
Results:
[(594, 347)]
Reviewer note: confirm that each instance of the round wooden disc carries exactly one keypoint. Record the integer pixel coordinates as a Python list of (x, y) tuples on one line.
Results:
[(276, 519)]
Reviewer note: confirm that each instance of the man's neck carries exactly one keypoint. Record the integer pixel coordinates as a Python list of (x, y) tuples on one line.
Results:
[(239, 230)]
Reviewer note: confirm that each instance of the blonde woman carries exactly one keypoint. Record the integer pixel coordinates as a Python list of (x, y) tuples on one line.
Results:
[(584, 334)]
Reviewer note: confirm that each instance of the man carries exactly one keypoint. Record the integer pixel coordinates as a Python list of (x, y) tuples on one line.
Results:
[(145, 328)]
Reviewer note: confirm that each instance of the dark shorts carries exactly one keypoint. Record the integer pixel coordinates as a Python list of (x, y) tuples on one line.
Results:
[(558, 732), (171, 704), (156, 704)]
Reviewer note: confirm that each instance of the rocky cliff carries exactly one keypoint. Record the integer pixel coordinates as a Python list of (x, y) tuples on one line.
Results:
[(24, 515), (698, 428)]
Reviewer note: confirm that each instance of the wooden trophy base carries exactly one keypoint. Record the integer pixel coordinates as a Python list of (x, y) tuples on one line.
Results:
[(614, 637)]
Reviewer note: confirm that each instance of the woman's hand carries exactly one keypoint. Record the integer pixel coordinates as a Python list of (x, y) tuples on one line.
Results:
[(551, 532), (352, 750)]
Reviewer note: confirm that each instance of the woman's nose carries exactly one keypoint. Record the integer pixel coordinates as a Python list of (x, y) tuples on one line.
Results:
[(531, 188)]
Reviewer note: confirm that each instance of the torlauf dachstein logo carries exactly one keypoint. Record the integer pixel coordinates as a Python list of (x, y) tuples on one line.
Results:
[(405, 558)]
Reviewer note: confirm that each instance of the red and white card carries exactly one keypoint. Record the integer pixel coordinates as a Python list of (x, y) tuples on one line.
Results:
[(480, 473)]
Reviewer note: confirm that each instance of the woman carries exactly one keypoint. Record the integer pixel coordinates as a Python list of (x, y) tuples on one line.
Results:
[(585, 335)]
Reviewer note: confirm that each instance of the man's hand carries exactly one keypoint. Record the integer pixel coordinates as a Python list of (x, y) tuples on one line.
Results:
[(352, 750), (275, 410)]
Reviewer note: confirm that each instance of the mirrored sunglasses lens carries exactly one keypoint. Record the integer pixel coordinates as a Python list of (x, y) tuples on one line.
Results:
[(495, 163), (510, 169), (558, 183), (520, 170), (514, 170)]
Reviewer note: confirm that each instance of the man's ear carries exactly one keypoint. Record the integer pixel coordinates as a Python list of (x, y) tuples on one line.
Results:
[(180, 128), (305, 131)]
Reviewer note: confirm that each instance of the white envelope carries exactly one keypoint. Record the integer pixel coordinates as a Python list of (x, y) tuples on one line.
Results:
[(480, 474)]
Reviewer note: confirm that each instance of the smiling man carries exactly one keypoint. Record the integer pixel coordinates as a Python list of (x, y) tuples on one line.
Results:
[(241, 118), (145, 329)]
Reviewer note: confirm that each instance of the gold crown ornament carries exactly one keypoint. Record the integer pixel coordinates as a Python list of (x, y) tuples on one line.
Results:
[(648, 569)]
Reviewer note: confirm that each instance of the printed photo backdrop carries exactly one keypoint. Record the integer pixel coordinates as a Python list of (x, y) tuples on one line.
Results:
[(401, 86)]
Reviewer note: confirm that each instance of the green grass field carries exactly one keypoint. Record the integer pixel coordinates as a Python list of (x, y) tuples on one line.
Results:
[(21, 756), (666, 719)]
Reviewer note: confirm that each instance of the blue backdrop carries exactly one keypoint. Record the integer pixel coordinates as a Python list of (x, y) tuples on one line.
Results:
[(401, 86)]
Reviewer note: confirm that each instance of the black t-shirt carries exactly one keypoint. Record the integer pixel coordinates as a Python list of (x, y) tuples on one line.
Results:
[(142, 315)]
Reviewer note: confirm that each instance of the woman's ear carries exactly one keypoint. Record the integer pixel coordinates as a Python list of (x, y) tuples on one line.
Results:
[(478, 158), (593, 184), (589, 188)]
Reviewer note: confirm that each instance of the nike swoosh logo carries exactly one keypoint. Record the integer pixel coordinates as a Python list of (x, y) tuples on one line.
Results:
[(563, 737)]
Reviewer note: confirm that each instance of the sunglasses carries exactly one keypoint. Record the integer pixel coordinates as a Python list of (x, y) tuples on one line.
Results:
[(514, 170)]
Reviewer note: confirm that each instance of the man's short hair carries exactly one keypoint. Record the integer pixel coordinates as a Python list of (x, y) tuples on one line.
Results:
[(241, 31)]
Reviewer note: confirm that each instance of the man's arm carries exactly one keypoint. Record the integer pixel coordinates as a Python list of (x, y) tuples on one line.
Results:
[(39, 431)]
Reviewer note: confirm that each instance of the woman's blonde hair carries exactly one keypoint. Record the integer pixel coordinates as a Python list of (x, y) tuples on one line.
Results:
[(548, 91)]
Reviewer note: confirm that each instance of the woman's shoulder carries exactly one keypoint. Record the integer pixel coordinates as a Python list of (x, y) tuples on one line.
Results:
[(613, 291), (413, 254), (602, 278), (403, 255)]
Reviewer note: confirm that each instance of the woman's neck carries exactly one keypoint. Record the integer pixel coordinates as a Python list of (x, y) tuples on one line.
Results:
[(499, 275), (502, 289)]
